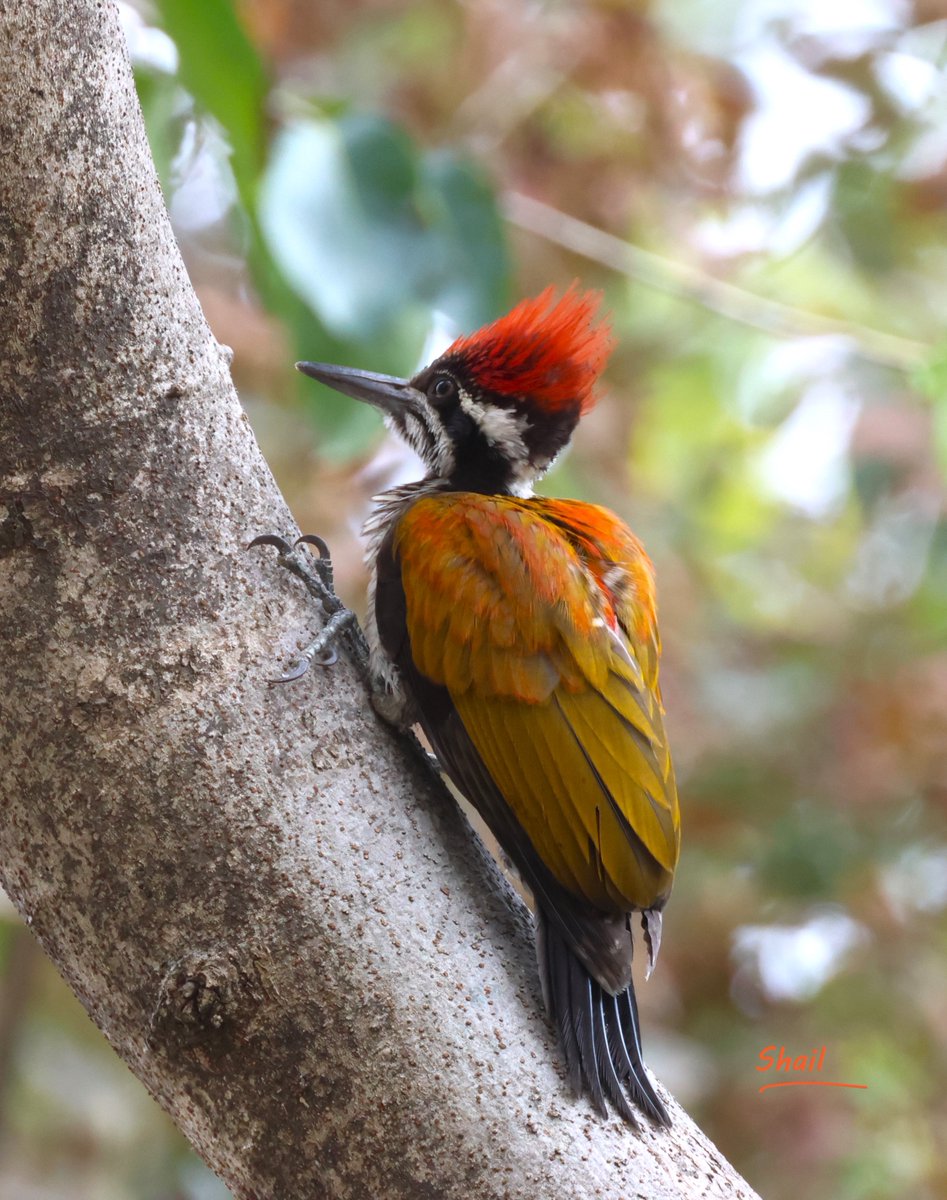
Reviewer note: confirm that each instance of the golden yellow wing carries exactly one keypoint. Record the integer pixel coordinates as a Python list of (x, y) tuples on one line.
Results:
[(537, 616)]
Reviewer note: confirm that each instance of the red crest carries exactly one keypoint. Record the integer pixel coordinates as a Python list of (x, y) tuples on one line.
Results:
[(549, 351)]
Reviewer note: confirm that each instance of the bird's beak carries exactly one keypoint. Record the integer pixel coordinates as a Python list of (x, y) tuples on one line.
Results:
[(386, 392)]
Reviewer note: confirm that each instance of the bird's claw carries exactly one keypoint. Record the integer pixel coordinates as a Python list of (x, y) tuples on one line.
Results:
[(320, 650), (302, 666), (322, 561), (272, 539), (316, 573), (313, 539)]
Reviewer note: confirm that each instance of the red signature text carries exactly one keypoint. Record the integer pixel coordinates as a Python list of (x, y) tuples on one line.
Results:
[(777, 1058)]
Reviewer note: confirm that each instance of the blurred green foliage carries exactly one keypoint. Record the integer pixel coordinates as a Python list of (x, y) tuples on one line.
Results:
[(343, 180), (220, 67)]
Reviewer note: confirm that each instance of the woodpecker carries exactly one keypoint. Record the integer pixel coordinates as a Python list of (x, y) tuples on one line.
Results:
[(520, 633)]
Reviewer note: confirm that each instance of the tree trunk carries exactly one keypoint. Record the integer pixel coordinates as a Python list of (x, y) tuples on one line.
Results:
[(277, 920)]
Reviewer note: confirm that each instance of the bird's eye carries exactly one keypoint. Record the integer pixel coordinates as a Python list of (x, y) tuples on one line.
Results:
[(442, 389)]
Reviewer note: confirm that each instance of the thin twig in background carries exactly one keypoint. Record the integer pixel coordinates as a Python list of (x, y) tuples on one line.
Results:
[(691, 283)]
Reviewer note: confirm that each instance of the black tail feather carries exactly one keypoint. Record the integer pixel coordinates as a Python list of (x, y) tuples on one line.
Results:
[(583, 1009), (599, 1034), (556, 979)]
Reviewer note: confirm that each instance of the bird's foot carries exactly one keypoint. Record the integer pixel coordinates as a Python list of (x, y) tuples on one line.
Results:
[(315, 571)]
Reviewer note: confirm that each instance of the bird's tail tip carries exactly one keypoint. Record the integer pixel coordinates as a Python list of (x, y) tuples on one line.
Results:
[(599, 1033)]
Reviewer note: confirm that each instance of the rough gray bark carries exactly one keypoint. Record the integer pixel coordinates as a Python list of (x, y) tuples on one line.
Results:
[(278, 923)]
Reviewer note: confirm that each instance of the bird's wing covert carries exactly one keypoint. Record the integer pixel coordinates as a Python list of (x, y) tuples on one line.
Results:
[(537, 616)]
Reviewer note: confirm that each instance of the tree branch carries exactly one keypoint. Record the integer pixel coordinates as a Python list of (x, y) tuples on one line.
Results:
[(283, 929)]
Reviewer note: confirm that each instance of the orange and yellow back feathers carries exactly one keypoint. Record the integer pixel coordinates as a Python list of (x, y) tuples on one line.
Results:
[(538, 617)]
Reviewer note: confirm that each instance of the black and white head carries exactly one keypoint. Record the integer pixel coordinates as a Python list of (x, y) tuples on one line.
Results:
[(495, 409)]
